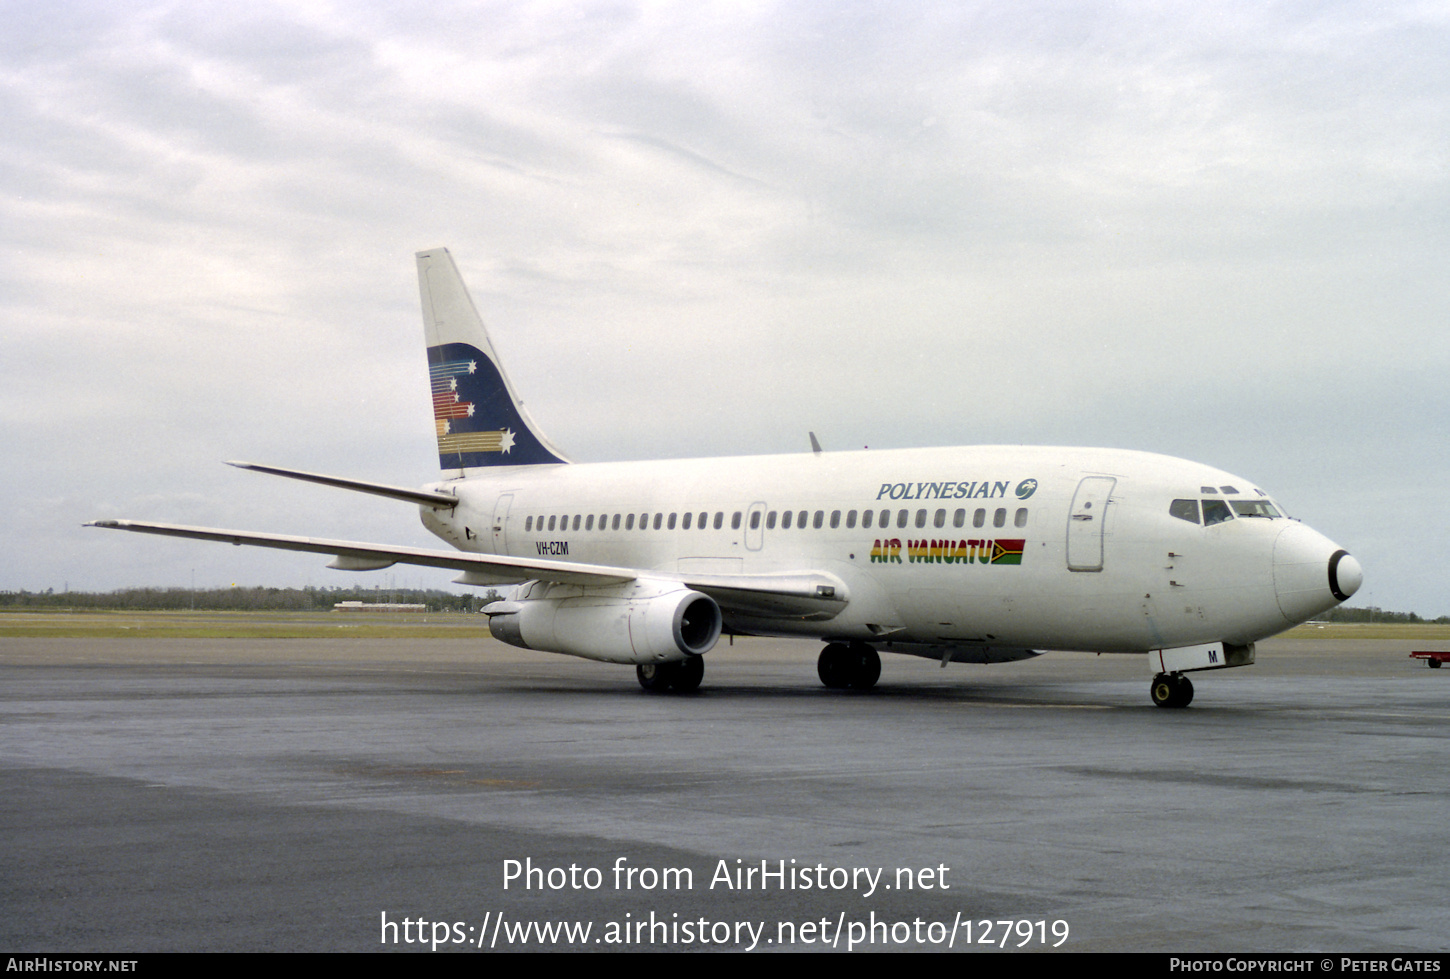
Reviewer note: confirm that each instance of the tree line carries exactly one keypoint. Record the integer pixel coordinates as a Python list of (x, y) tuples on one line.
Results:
[(1376, 614), (240, 599)]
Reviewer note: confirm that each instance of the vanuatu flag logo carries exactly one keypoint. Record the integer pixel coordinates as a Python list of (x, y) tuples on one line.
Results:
[(1007, 551)]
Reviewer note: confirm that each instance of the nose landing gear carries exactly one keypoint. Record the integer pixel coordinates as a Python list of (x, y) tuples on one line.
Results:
[(1171, 690), (857, 666)]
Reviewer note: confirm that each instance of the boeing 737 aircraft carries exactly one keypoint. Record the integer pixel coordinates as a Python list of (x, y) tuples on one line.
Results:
[(975, 554)]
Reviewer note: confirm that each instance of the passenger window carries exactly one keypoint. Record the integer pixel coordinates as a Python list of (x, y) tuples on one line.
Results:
[(589, 522), (835, 519), (1215, 511), (735, 520), (670, 524), (754, 519), (614, 524), (704, 519), (719, 519), (959, 519), (979, 519), (1184, 510), (940, 520), (551, 522), (820, 518), (901, 517), (770, 520), (800, 520), (659, 519), (999, 519), (1021, 519), (785, 519), (686, 524), (629, 522), (851, 520), (920, 518), (885, 520), (866, 516), (528, 523)]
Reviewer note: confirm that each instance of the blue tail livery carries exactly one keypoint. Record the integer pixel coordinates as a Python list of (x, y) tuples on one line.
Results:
[(480, 422)]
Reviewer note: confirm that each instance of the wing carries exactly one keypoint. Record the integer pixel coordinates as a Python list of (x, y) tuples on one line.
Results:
[(812, 595)]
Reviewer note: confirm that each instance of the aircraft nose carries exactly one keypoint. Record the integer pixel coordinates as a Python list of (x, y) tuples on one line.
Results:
[(1311, 573), (1345, 575)]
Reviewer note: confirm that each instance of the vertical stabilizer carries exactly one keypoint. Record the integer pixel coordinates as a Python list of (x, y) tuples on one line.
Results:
[(479, 420)]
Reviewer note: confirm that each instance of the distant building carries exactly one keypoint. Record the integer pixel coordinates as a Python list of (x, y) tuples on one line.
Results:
[(378, 607)]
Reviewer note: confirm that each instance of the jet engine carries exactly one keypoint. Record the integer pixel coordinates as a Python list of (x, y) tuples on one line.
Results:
[(641, 622)]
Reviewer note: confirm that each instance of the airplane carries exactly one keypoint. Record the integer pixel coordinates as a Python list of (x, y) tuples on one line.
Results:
[(973, 554)]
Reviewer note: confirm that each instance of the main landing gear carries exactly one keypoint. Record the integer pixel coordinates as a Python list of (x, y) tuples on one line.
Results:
[(856, 666), (1171, 690), (683, 676)]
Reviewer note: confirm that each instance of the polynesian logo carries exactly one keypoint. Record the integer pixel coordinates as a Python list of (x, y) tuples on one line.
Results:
[(948, 551), (965, 489)]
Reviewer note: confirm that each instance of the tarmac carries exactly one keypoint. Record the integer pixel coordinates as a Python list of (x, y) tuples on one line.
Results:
[(463, 795)]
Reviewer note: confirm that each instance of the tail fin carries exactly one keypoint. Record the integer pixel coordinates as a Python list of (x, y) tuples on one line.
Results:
[(479, 419)]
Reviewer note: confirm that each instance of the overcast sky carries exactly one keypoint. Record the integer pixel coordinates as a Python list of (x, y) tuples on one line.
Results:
[(1217, 231)]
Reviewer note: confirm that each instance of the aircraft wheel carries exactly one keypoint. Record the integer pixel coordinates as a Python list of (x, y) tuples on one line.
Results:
[(865, 666), (834, 666), (1434, 663), (691, 672), (1171, 690), (657, 677)]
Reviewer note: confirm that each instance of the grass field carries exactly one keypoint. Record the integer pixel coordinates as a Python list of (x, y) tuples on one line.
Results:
[(451, 625), (238, 625)]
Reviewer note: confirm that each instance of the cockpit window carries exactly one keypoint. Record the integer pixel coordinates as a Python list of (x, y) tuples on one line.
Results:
[(1207, 490), (1254, 508), (1184, 510), (1228, 490), (1215, 511)]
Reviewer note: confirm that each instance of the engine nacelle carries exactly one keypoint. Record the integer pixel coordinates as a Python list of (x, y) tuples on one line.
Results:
[(635, 623)]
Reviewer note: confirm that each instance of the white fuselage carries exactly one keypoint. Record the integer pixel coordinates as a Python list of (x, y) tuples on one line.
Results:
[(1104, 565)]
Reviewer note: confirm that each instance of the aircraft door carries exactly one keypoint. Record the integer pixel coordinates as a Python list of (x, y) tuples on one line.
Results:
[(501, 522), (755, 527), (1086, 522)]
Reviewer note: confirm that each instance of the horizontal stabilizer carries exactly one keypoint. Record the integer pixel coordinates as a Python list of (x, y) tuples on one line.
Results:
[(360, 554), (428, 498)]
